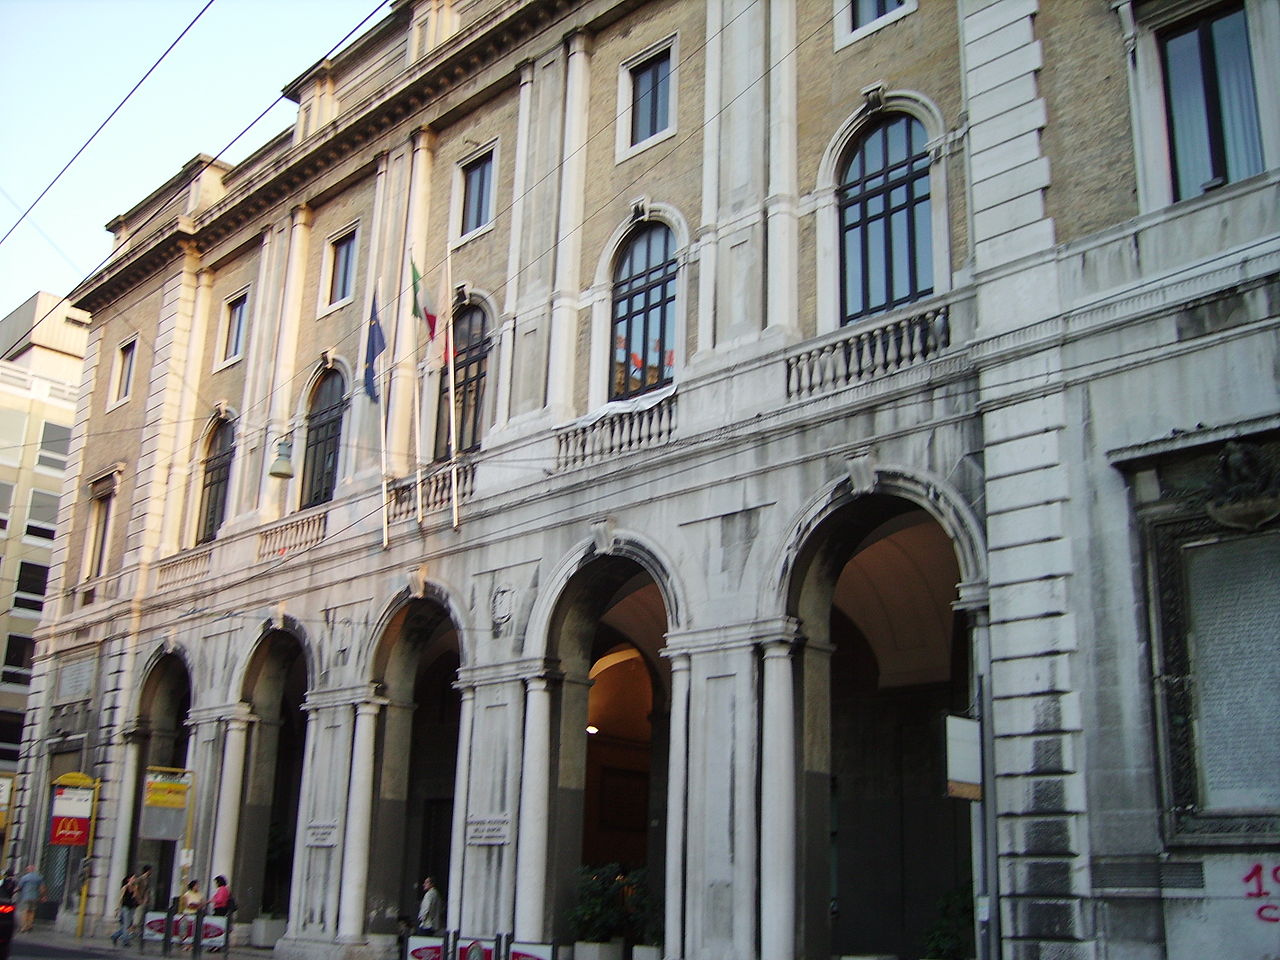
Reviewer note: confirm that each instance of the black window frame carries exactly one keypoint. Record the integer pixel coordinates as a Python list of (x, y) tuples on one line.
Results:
[(342, 267), (645, 287), (651, 97), (324, 439), (477, 193), (33, 581), (220, 452), (1201, 24), (470, 333), (870, 197), (866, 12)]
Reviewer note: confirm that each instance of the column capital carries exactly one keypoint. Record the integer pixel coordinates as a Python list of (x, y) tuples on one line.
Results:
[(745, 634), (241, 712)]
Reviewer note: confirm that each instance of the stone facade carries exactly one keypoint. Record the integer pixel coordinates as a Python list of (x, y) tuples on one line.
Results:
[(695, 596)]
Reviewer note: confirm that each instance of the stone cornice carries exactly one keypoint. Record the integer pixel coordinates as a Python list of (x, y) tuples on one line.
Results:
[(131, 268)]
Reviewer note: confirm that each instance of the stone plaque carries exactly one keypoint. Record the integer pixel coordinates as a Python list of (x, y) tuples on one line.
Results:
[(322, 834), (75, 679), (1234, 623), (488, 831)]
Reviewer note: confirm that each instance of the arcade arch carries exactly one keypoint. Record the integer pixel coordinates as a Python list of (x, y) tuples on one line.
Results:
[(416, 666), (886, 658)]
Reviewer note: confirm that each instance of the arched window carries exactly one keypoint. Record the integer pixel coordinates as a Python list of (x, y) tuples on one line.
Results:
[(470, 365), (324, 436), (217, 478), (886, 236), (644, 313)]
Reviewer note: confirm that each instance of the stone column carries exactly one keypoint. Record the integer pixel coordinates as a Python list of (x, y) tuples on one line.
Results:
[(227, 827), (677, 802), (535, 804), (783, 174), (564, 300), (119, 864), (778, 806), (462, 780), (355, 843)]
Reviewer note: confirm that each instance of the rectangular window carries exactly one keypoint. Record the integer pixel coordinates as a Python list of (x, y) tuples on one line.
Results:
[(342, 254), (55, 443), (6, 504), (1214, 137), (477, 193), (42, 515), (124, 370), (10, 736), (233, 345), (102, 493), (17, 659), (32, 580), (651, 97)]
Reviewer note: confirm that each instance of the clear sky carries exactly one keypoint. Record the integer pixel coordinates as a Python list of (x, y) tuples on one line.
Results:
[(65, 64)]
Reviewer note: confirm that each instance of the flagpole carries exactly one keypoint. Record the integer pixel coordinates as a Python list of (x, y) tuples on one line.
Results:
[(417, 392), (451, 349), (382, 437)]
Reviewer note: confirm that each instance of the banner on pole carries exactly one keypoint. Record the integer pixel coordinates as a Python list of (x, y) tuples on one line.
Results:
[(964, 758), (6, 798), (164, 804)]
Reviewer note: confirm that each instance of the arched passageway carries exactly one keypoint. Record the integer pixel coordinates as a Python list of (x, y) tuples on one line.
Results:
[(888, 854), (417, 666), (275, 687), (608, 631), (162, 727)]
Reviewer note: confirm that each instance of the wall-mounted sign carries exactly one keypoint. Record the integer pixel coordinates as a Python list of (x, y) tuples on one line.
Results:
[(322, 834), (488, 831), (69, 817), (964, 759)]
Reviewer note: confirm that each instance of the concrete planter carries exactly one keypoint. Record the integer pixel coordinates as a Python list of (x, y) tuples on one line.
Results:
[(265, 931), (597, 951), (646, 953)]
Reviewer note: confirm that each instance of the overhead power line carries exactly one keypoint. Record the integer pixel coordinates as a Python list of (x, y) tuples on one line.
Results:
[(84, 146)]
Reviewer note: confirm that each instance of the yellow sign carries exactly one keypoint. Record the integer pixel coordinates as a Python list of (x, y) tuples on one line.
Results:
[(160, 793)]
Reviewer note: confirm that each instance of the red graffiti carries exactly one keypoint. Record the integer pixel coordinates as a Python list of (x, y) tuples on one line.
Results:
[(1255, 889)]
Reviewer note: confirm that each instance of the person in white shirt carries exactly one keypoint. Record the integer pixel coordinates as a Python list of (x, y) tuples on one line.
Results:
[(431, 910)]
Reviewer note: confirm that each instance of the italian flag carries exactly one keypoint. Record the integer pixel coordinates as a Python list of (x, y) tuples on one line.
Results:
[(424, 307)]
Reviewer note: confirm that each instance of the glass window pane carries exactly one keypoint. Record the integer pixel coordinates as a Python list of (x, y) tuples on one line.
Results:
[(1241, 137), (1188, 114)]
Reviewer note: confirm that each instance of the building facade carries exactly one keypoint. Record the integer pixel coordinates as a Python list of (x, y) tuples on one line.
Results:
[(805, 373), (42, 345)]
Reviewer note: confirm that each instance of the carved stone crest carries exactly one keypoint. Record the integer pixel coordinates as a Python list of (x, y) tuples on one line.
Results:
[(1244, 492)]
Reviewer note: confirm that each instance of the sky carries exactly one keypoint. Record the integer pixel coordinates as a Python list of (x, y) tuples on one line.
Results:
[(66, 64)]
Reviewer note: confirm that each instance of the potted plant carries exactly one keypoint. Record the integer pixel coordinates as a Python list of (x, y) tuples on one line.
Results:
[(644, 917), (950, 937), (598, 920)]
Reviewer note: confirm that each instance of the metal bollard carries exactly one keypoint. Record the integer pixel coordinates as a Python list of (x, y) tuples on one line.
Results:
[(198, 934), (168, 926)]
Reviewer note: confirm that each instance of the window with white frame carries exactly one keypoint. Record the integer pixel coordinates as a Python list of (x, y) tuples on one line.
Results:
[(33, 578), (55, 445), (42, 515), (477, 193), (647, 98), (854, 19), (125, 357), (6, 504), (1207, 96), (19, 652), (236, 318), (342, 267)]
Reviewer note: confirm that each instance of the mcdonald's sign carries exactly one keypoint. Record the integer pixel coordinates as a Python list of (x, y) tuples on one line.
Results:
[(69, 831)]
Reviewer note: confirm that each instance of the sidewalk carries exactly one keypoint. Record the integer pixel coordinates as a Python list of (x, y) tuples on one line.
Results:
[(45, 935)]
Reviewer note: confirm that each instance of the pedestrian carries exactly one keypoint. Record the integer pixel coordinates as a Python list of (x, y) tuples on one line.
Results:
[(188, 904), (431, 909), (30, 892), (143, 892), (127, 904), (221, 903)]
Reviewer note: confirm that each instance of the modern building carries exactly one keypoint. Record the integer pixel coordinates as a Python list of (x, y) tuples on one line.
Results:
[(42, 349), (817, 371)]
